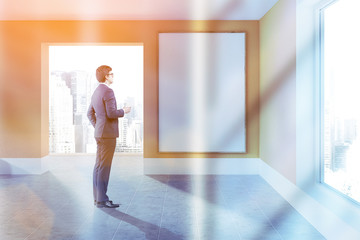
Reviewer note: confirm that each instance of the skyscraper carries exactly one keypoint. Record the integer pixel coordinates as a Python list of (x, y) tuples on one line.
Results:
[(71, 92), (61, 128)]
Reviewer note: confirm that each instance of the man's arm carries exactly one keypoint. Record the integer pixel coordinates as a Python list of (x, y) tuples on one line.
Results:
[(110, 105), (91, 115)]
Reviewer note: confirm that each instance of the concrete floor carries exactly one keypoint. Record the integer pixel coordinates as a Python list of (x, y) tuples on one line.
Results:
[(59, 205)]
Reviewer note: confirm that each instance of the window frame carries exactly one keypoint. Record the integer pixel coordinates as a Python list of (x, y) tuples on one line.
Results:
[(320, 99)]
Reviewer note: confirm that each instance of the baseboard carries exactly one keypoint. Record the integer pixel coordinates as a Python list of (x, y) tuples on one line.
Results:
[(23, 166), (197, 166), (331, 226), (20, 166), (201, 166)]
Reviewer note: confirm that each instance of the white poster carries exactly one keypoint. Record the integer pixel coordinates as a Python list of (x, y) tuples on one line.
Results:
[(202, 92)]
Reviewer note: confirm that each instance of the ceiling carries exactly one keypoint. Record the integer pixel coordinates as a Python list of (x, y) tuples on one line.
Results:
[(134, 9)]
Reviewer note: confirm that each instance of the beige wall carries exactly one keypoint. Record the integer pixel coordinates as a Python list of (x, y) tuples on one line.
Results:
[(23, 92), (278, 88)]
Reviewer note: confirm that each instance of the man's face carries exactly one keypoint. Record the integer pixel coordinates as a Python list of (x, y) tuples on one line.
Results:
[(110, 77)]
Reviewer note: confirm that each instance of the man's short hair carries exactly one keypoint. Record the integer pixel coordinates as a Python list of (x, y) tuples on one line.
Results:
[(101, 72)]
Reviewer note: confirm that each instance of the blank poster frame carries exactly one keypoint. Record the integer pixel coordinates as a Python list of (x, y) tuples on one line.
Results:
[(202, 87)]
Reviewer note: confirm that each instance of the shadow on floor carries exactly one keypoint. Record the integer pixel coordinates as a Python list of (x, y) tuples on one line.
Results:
[(146, 227)]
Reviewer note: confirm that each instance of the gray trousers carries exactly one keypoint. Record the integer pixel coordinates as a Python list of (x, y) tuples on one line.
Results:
[(101, 174)]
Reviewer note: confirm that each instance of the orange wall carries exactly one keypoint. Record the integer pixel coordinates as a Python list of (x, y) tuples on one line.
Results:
[(22, 125)]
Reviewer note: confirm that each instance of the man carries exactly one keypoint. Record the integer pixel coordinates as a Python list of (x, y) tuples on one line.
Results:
[(103, 115)]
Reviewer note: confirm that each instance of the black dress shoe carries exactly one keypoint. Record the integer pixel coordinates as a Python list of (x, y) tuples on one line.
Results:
[(95, 202), (107, 204)]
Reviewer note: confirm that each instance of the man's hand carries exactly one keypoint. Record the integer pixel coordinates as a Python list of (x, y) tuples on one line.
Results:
[(126, 109)]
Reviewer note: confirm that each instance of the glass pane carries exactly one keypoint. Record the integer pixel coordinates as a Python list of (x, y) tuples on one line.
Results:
[(72, 82), (341, 86)]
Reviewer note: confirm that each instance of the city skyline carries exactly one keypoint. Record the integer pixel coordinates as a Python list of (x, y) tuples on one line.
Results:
[(73, 81), (126, 62)]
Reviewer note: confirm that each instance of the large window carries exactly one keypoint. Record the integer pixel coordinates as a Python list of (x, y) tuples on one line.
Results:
[(71, 83), (340, 51)]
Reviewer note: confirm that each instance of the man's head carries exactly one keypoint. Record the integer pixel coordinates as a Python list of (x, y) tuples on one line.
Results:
[(104, 73)]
